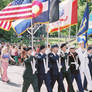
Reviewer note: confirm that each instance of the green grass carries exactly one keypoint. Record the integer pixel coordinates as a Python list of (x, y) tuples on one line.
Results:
[(63, 40)]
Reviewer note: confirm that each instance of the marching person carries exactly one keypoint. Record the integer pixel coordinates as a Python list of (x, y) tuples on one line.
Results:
[(30, 76), (55, 68), (43, 69), (90, 59), (74, 63), (65, 67), (84, 69), (90, 66)]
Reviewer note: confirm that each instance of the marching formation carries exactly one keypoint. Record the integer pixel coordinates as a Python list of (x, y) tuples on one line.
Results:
[(56, 63), (48, 65)]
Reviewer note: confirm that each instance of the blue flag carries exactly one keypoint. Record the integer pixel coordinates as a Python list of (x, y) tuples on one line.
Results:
[(20, 26), (83, 38), (84, 23), (90, 25)]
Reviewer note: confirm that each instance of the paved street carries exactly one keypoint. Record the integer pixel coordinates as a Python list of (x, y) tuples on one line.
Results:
[(15, 76)]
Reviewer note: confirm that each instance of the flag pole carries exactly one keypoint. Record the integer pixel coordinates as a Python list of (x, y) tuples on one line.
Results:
[(47, 34), (46, 28), (76, 30), (59, 33), (32, 34), (69, 32)]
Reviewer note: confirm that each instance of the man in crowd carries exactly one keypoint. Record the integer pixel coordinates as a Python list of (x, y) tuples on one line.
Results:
[(29, 76), (90, 59), (74, 63), (90, 66), (43, 69), (65, 67), (84, 69), (55, 68)]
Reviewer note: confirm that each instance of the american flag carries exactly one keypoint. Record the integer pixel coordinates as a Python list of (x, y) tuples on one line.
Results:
[(14, 12), (6, 25)]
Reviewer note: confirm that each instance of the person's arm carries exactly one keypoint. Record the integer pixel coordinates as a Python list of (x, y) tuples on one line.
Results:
[(12, 59), (28, 59)]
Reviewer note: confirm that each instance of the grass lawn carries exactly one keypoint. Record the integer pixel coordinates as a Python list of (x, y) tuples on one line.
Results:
[(63, 40)]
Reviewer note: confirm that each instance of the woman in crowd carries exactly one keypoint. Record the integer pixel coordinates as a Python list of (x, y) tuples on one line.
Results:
[(5, 59), (0, 64)]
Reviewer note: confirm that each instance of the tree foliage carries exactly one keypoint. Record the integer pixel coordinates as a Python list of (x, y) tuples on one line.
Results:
[(6, 36)]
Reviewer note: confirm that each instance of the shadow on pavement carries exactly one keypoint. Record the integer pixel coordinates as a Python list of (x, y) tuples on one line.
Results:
[(0, 79), (14, 84)]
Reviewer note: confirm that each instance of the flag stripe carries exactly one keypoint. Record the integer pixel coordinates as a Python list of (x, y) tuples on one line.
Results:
[(8, 25), (16, 12), (13, 13), (5, 24), (17, 8), (1, 23), (14, 18)]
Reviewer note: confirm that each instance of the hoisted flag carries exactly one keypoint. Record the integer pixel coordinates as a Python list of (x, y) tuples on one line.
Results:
[(43, 16), (20, 26), (40, 15), (82, 35), (6, 25), (84, 23), (67, 16), (14, 12)]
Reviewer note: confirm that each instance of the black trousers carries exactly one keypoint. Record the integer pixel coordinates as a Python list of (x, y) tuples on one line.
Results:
[(33, 81), (67, 75), (59, 79), (47, 79), (77, 77)]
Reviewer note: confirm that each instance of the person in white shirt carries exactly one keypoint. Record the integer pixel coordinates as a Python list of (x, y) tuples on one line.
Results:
[(84, 69)]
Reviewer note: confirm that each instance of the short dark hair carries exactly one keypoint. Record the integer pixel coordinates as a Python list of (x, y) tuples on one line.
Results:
[(62, 45), (42, 47)]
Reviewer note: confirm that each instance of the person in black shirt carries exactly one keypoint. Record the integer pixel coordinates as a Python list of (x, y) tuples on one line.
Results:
[(55, 68), (65, 67), (43, 69), (74, 63)]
